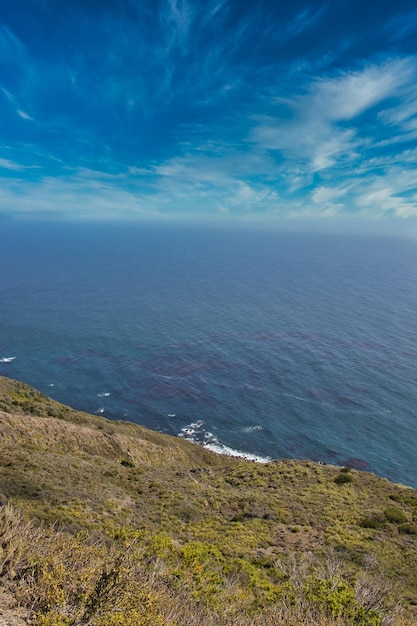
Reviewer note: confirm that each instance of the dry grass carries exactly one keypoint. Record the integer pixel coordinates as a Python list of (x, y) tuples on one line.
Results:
[(73, 580)]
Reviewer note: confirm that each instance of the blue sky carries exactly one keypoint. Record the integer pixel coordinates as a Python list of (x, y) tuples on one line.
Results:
[(218, 110)]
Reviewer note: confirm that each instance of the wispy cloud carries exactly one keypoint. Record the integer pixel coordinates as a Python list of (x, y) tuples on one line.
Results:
[(350, 94), (7, 164), (10, 165), (79, 194), (24, 115), (302, 21), (402, 25), (312, 126), (180, 14)]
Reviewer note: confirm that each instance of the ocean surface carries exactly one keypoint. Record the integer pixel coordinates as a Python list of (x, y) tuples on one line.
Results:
[(262, 344)]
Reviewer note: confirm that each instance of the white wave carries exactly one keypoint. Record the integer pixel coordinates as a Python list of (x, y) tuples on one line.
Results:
[(220, 448), (187, 430), (101, 410), (7, 359), (191, 431), (194, 433), (249, 429)]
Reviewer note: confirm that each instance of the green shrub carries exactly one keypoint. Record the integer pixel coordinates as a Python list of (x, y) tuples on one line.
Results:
[(336, 597), (127, 463), (374, 521), (408, 529), (395, 497), (343, 478), (395, 515)]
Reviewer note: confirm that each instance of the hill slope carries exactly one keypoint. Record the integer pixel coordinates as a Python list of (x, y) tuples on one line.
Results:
[(108, 523)]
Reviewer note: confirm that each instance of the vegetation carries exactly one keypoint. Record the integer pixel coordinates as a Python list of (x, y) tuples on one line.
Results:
[(107, 523)]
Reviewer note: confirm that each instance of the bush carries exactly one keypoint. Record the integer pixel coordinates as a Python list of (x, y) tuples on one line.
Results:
[(408, 529), (395, 515), (336, 597), (374, 521), (127, 463), (343, 478)]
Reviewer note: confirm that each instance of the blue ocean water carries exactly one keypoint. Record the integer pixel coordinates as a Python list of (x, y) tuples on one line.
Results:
[(260, 343)]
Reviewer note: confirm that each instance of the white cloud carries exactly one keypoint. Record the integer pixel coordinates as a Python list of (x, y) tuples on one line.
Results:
[(180, 14), (323, 195), (179, 189), (11, 46), (350, 94), (381, 197), (311, 130), (80, 194), (24, 115), (314, 143), (324, 153), (403, 115), (13, 165), (401, 25), (10, 165), (302, 21), (14, 103)]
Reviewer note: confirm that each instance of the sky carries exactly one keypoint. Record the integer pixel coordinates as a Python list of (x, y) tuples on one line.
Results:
[(209, 110)]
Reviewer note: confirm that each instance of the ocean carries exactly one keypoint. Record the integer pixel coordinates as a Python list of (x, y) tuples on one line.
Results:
[(260, 344)]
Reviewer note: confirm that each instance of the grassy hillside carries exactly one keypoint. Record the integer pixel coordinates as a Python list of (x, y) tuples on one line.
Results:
[(107, 523)]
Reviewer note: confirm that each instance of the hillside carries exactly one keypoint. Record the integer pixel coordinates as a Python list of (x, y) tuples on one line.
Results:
[(108, 523)]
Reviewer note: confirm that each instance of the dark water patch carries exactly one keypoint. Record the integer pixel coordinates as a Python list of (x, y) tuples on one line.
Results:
[(356, 463), (326, 395)]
